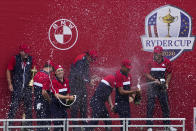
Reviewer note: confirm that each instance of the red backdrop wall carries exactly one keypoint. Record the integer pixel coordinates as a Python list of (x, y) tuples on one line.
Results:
[(113, 28)]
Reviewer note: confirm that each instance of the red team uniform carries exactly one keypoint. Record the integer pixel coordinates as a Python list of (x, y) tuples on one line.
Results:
[(58, 110), (99, 98), (122, 101), (158, 71), (41, 105), (122, 106)]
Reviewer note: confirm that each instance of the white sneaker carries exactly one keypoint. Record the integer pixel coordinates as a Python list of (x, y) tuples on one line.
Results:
[(149, 129), (172, 129)]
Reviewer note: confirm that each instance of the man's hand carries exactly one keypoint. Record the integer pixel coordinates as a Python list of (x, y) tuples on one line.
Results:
[(111, 107), (131, 99), (11, 87), (136, 90), (71, 98), (45, 95), (92, 83), (9, 80), (167, 85), (157, 81)]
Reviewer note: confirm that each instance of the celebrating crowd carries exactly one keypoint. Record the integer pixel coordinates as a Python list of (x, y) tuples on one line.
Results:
[(52, 97)]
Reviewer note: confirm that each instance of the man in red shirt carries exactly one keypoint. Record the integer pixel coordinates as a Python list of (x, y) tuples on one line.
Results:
[(42, 91), (61, 91), (158, 70), (18, 77), (100, 97), (123, 90), (78, 78)]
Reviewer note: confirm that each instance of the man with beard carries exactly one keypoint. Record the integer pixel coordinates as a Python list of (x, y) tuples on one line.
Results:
[(158, 70), (123, 90)]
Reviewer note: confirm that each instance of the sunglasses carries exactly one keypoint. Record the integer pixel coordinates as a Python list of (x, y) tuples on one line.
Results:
[(59, 70)]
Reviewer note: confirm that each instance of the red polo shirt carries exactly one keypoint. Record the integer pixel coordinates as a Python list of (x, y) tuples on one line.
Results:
[(42, 80), (122, 80), (109, 80), (59, 87), (156, 68)]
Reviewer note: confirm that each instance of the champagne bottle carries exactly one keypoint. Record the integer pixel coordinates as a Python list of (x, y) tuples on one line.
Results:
[(138, 97)]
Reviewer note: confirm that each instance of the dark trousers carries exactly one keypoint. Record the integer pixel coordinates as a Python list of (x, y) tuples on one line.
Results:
[(24, 95), (58, 111), (80, 105), (123, 110), (99, 110), (42, 109), (162, 96), (78, 88)]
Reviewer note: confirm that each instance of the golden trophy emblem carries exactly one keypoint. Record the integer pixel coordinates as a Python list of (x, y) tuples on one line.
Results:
[(34, 71), (168, 19)]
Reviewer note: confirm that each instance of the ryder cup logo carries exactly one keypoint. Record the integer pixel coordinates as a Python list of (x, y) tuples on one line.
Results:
[(170, 28), (63, 34)]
